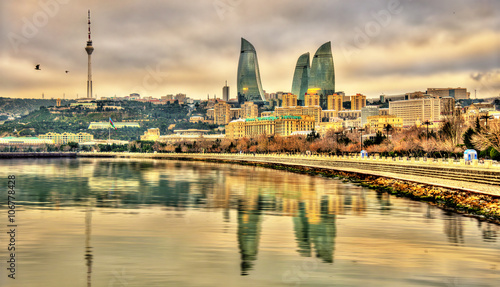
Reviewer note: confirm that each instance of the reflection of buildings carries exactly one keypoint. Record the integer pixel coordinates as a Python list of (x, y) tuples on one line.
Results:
[(453, 228), (249, 228)]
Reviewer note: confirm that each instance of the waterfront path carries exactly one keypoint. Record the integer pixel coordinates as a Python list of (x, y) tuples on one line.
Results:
[(474, 177)]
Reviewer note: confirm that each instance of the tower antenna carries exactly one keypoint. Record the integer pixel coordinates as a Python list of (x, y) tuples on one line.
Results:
[(89, 50)]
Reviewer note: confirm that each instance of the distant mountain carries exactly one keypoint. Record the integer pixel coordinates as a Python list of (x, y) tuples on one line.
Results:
[(25, 106)]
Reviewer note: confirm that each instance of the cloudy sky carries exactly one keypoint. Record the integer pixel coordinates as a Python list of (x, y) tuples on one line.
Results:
[(159, 47)]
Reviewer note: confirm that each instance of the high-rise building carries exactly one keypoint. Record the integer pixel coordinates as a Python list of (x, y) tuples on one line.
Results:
[(89, 50), (322, 75), (358, 102), (311, 98), (300, 82), (289, 100), (411, 111), (225, 92), (335, 102), (249, 110), (222, 113), (248, 83)]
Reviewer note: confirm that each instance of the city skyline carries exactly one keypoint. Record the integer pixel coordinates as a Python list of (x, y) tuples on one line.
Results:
[(379, 47)]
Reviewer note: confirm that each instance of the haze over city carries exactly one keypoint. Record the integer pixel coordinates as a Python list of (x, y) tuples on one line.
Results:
[(156, 47)]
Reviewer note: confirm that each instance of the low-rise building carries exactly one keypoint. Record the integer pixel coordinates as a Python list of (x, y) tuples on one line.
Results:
[(380, 122), (65, 138), (273, 125), (24, 141), (151, 135), (118, 125)]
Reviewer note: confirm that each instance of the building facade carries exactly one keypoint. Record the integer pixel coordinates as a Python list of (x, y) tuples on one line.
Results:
[(417, 110), (222, 113), (311, 98), (380, 122), (65, 138), (289, 100), (249, 85), (151, 135), (249, 110), (322, 74), (456, 93), (313, 111), (358, 102), (300, 81)]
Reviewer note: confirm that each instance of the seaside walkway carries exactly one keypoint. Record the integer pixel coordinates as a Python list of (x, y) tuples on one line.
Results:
[(475, 177)]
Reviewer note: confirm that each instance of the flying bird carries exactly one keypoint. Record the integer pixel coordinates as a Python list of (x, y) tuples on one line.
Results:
[(37, 67), (67, 72)]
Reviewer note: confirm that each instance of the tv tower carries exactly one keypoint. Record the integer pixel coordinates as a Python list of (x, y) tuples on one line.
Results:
[(89, 50)]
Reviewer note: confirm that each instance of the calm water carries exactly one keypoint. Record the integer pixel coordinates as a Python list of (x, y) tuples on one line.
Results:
[(95, 222)]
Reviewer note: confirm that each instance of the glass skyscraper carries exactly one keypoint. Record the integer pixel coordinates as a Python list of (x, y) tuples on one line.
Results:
[(248, 82), (300, 82), (322, 75)]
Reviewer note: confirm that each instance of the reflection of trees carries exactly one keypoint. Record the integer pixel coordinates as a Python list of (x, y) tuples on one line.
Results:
[(453, 228)]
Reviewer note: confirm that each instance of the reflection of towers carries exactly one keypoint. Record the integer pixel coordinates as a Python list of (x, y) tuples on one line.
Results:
[(317, 234), (89, 50), (88, 248), (249, 227)]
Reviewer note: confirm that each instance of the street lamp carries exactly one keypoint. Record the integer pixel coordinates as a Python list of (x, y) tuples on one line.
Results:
[(361, 139)]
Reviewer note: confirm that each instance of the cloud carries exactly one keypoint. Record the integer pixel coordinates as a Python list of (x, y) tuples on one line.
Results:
[(199, 49)]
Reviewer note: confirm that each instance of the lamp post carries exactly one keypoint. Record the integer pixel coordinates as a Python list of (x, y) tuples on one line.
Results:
[(361, 138)]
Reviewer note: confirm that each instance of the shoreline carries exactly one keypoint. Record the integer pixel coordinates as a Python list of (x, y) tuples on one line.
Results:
[(477, 204)]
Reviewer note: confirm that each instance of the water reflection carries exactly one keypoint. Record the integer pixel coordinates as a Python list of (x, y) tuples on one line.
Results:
[(243, 198)]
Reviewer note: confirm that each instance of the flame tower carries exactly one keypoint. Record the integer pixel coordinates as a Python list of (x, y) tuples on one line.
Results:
[(89, 50)]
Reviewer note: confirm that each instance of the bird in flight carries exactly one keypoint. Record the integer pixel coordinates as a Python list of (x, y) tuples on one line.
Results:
[(67, 72), (37, 67)]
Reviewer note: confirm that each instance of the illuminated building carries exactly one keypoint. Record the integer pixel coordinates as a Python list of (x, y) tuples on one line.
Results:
[(249, 110), (322, 75), (380, 122), (65, 138), (222, 113), (151, 135), (358, 102), (249, 85), (289, 100), (300, 82), (411, 111), (279, 125)]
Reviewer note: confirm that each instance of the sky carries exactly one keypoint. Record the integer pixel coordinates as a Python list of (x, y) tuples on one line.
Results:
[(160, 47)]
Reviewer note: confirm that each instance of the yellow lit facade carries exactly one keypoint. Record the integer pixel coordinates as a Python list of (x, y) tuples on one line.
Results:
[(249, 110), (235, 129), (311, 99), (313, 111), (65, 138), (289, 100), (322, 128), (282, 125), (222, 113), (151, 135), (379, 122), (334, 102), (358, 101)]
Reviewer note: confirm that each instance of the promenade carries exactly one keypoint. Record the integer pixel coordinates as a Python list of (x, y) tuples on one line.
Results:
[(482, 178)]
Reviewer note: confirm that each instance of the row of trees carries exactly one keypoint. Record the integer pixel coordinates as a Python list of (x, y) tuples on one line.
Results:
[(449, 141)]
